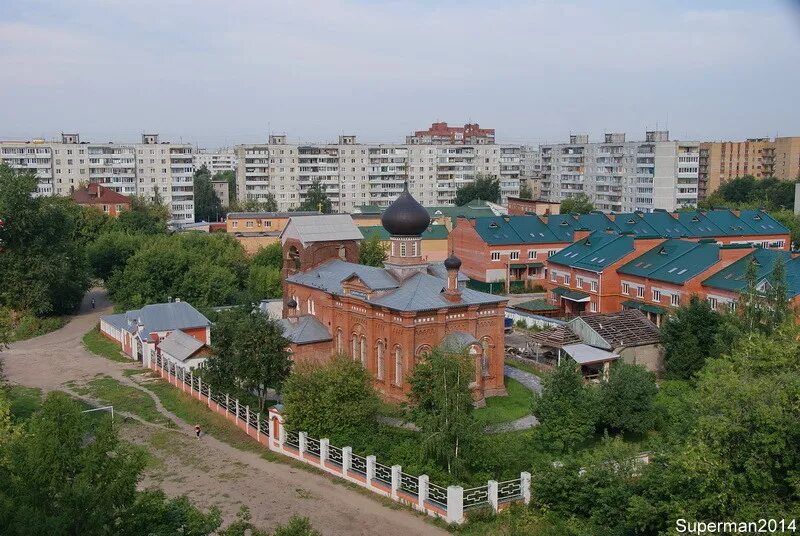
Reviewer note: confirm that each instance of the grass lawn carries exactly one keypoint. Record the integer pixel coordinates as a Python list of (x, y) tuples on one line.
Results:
[(506, 408), (123, 398), (96, 343), (24, 401), (523, 366), (21, 327)]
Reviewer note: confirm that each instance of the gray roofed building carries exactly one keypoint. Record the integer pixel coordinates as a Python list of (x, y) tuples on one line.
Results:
[(304, 330), (180, 346), (159, 317), (419, 292), (321, 228)]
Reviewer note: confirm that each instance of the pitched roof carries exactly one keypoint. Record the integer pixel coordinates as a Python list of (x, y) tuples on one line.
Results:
[(304, 330), (433, 232), (634, 223), (180, 345), (322, 228), (418, 292), (595, 252), (268, 215), (535, 306), (665, 224), (159, 317), (625, 328), (555, 337), (733, 277), (673, 261), (585, 354), (500, 230), (95, 194), (762, 223)]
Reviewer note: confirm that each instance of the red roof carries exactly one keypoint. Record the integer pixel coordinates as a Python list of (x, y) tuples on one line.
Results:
[(94, 194)]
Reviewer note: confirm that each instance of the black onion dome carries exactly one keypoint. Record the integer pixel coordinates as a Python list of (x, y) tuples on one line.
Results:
[(291, 304), (452, 262), (405, 217)]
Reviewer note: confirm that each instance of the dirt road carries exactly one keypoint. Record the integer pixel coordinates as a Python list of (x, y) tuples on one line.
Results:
[(209, 471)]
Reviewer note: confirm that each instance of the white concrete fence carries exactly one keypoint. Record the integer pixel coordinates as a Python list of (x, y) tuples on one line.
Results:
[(451, 503)]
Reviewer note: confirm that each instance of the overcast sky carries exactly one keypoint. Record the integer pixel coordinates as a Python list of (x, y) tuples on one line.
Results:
[(220, 73)]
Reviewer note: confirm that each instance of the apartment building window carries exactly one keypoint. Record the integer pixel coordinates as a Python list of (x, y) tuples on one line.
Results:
[(656, 295), (551, 252), (640, 292), (675, 300), (567, 279), (626, 288), (495, 255), (593, 307), (532, 254), (594, 286), (732, 306), (713, 303), (514, 255), (579, 282), (248, 224)]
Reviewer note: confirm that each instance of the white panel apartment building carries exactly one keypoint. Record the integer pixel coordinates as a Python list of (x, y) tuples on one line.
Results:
[(215, 161), (130, 169), (623, 176), (357, 174)]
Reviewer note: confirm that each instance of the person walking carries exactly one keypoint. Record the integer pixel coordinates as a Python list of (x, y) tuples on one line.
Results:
[(197, 430), (93, 303)]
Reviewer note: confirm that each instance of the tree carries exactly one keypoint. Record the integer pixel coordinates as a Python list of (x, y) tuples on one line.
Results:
[(334, 399), (111, 252), (485, 188), (207, 206), (777, 303), (791, 221), (442, 408), (627, 399), (371, 251), (270, 204), (145, 217), (525, 191), (264, 282), (577, 204), (42, 263), (565, 408), (270, 256), (689, 336), (316, 200), (249, 350)]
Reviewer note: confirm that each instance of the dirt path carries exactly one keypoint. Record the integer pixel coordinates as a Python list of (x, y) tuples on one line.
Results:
[(209, 471)]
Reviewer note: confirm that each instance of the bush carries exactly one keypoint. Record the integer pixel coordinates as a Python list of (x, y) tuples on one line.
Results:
[(628, 399)]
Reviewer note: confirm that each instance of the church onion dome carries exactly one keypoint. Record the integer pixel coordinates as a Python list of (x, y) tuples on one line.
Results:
[(405, 217), (452, 263), (291, 304)]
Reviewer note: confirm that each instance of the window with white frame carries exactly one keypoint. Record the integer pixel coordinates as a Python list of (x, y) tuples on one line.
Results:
[(712, 302), (640, 292), (656, 295), (579, 282), (553, 276), (495, 255), (626, 288), (513, 255), (532, 254), (675, 300), (594, 286), (551, 252), (593, 307), (566, 279), (732, 306)]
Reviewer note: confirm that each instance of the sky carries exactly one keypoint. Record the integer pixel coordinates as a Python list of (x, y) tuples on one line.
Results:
[(220, 73)]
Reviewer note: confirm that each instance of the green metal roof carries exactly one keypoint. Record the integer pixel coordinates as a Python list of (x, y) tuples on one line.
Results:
[(673, 261), (571, 294), (595, 252), (634, 223), (665, 224), (433, 232), (535, 305), (562, 225), (723, 222), (762, 223), (646, 307), (500, 230), (733, 277)]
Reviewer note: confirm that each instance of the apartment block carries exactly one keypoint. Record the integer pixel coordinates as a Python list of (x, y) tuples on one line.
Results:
[(356, 174), (441, 133), (622, 176), (141, 169), (215, 161), (721, 161)]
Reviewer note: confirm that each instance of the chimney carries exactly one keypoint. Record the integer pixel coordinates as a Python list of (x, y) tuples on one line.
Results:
[(452, 292)]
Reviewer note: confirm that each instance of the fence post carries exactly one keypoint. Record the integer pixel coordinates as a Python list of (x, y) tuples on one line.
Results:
[(227, 405), (247, 422), (237, 411), (209, 396), (258, 427), (370, 469), (277, 437), (525, 485), (455, 504), (323, 451), (191, 381), (301, 440), (491, 488), (396, 476), (423, 490), (199, 387), (347, 455)]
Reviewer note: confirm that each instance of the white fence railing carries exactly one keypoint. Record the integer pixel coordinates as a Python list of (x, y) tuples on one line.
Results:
[(449, 502)]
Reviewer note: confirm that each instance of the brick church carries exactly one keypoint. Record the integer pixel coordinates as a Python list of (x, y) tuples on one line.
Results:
[(388, 318)]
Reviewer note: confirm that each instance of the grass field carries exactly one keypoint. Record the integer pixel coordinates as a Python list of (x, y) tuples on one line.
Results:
[(123, 398), (501, 409), (97, 344)]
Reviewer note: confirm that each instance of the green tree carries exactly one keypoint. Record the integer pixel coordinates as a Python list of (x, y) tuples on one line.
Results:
[(777, 303), (485, 188), (442, 407), (297, 526), (525, 191), (270, 204), (111, 252), (250, 351), (628, 398), (577, 204), (264, 282), (316, 200), (566, 408), (207, 206), (334, 399), (270, 256), (371, 251), (145, 217), (689, 336), (791, 221)]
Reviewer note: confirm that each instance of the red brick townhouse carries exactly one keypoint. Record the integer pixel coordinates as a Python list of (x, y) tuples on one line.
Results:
[(667, 275), (102, 198), (582, 278), (722, 289), (499, 248), (140, 331)]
